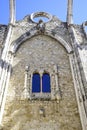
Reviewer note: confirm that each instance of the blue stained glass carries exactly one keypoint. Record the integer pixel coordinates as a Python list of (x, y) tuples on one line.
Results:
[(36, 83), (46, 83)]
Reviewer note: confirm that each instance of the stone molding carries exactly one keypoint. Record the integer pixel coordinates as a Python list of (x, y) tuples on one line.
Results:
[(33, 32), (40, 14)]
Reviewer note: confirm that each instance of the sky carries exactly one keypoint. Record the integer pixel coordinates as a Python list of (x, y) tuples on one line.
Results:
[(54, 7)]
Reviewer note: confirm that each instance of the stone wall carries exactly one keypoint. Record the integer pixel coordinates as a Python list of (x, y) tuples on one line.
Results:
[(38, 53), (3, 33)]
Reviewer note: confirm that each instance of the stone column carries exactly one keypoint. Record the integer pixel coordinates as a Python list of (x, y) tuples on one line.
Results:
[(70, 12), (57, 90), (12, 11), (26, 83)]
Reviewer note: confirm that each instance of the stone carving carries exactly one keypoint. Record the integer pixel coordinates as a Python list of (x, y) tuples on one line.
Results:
[(41, 26), (55, 90), (26, 84)]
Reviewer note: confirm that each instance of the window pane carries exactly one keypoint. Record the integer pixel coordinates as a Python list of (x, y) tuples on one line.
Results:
[(46, 83), (36, 83)]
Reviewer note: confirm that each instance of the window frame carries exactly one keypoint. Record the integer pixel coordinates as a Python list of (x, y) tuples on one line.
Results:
[(41, 95), (52, 71)]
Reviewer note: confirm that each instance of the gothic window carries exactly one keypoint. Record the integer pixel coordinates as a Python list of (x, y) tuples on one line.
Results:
[(42, 84), (46, 83), (36, 83)]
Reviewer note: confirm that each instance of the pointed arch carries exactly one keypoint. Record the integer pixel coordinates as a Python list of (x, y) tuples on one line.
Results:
[(16, 44)]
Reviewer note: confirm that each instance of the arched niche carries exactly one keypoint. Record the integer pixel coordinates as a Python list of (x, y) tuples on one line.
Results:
[(28, 35)]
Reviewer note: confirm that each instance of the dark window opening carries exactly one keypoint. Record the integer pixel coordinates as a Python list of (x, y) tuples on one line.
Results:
[(36, 83), (46, 83)]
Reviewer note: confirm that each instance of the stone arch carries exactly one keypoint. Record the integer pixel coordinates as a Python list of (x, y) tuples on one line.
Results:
[(16, 44)]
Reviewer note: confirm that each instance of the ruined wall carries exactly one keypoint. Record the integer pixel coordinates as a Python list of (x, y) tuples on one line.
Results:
[(22, 114)]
